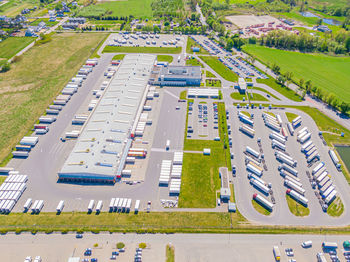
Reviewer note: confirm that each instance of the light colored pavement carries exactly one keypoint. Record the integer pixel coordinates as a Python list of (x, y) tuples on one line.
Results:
[(188, 247)]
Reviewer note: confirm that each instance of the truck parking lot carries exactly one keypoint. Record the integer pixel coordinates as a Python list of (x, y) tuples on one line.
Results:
[(271, 176)]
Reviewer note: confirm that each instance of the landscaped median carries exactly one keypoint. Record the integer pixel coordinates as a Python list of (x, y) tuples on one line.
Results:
[(142, 49), (220, 68), (297, 209)]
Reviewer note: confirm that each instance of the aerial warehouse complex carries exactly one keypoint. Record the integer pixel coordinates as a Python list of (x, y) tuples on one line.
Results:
[(101, 150)]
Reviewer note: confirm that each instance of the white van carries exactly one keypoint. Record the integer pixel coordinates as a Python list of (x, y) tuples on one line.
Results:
[(307, 244)]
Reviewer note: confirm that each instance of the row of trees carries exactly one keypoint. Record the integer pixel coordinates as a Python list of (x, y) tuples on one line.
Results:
[(338, 43), (307, 87), (97, 28)]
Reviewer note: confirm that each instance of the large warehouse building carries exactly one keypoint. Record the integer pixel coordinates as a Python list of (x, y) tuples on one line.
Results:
[(100, 152)]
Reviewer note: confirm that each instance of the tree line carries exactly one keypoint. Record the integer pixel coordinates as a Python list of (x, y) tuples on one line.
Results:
[(338, 43)]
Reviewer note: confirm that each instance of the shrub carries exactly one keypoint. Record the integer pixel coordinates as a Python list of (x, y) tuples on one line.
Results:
[(142, 245), (120, 245), (96, 245)]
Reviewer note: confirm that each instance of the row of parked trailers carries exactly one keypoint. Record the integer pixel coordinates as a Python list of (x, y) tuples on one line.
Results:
[(279, 137), (11, 191), (25, 146), (123, 205), (272, 122), (308, 147), (172, 171), (247, 127), (324, 183)]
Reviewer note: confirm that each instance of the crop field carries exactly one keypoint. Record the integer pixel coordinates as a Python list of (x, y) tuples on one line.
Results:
[(27, 89), (327, 72), (14, 7), (141, 49), (12, 45), (136, 8)]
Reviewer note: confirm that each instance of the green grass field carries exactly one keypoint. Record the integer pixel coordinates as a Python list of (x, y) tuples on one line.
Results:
[(257, 97), (297, 209), (213, 82), (165, 58), (170, 253), (265, 91), (290, 116), (97, 48), (191, 43), (238, 96), (14, 7), (336, 208), (29, 87), (200, 176), (209, 74), (12, 45), (220, 68), (141, 49), (193, 62), (136, 8), (327, 72), (344, 153), (118, 57)]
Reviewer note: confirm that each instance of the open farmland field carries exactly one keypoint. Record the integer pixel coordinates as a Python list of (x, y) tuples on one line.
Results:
[(12, 45), (327, 72), (137, 8), (27, 89), (14, 7)]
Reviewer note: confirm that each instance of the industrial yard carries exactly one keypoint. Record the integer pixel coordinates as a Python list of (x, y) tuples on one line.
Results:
[(119, 139)]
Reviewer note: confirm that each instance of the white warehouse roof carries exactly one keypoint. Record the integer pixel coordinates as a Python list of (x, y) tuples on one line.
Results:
[(203, 92), (99, 149)]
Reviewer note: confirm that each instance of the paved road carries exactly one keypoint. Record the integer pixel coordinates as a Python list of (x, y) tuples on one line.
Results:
[(188, 247)]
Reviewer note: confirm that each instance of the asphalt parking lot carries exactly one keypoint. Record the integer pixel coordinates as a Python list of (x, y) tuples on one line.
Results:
[(155, 40), (243, 189), (188, 247), (202, 120)]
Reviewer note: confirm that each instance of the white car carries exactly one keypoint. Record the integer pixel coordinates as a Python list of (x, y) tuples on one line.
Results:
[(307, 244)]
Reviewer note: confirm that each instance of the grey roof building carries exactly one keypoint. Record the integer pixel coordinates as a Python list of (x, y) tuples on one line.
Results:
[(100, 152), (169, 75)]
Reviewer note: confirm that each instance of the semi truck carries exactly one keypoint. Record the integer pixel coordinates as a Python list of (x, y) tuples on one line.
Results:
[(252, 152), (248, 131), (290, 129), (317, 168), (254, 170), (289, 169), (60, 206), (262, 201), (298, 197), (260, 186), (294, 186)]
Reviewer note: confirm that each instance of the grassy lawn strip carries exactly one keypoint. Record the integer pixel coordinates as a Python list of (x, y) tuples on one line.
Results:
[(297, 209), (118, 57), (327, 72), (238, 96), (265, 91), (12, 45), (165, 58), (170, 253), (290, 116), (262, 210), (220, 68), (94, 54), (183, 94), (285, 91), (257, 97), (141, 49), (213, 82), (209, 74), (32, 88), (2, 179), (193, 62), (162, 222), (191, 43), (336, 208)]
